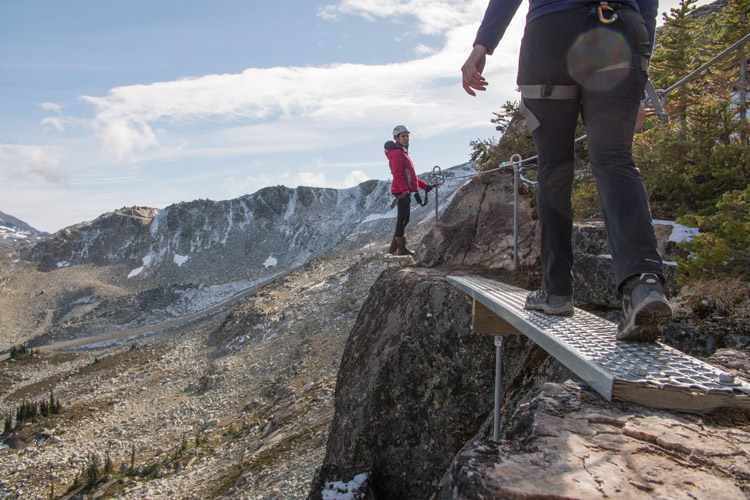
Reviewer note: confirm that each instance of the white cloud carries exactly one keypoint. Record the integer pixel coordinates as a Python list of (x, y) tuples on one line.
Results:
[(31, 164), (262, 110), (51, 106), (354, 178), (433, 17), (55, 121)]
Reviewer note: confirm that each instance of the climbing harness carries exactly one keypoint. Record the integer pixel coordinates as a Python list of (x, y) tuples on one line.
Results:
[(605, 6)]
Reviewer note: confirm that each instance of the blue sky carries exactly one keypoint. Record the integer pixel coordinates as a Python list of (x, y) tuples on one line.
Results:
[(106, 104)]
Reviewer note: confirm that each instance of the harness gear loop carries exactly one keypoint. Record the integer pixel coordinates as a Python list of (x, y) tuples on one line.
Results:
[(605, 6)]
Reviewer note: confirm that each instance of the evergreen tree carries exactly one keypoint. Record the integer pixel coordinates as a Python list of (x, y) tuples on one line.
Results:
[(676, 52), (735, 25)]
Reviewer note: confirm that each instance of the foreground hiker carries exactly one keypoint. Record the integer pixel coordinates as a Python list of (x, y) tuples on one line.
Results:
[(405, 182), (588, 58)]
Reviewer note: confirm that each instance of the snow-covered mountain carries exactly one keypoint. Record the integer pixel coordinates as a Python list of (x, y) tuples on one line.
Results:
[(15, 232), (256, 235)]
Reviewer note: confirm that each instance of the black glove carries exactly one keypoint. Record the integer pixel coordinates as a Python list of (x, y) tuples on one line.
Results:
[(418, 198), (429, 188)]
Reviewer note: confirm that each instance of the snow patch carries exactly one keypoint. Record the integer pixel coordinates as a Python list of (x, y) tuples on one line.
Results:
[(391, 214), (338, 490), (180, 259), (271, 261), (146, 261), (64, 263), (680, 233)]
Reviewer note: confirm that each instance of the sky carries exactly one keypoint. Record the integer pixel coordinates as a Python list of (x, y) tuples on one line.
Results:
[(107, 104)]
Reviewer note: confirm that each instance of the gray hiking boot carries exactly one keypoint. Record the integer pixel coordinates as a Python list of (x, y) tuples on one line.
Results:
[(645, 308), (559, 305)]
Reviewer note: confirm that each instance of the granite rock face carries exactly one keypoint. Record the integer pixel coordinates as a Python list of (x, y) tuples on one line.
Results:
[(575, 445), (478, 230), (413, 386)]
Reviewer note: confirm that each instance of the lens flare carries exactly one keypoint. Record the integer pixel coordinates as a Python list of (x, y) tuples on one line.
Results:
[(600, 59)]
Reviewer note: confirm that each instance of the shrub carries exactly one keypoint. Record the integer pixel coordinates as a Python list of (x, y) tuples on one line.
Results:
[(723, 247)]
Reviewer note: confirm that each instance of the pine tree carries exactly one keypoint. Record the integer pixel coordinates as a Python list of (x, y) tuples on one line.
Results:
[(735, 25), (676, 52)]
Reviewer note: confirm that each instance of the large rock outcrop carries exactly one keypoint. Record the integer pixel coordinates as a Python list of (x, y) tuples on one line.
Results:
[(411, 389), (565, 442), (414, 381), (478, 230), (415, 384)]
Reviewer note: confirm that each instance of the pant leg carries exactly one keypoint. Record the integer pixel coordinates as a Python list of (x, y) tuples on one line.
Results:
[(543, 60), (554, 142), (610, 117), (402, 219)]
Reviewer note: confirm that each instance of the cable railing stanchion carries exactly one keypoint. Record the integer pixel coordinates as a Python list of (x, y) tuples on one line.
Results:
[(516, 160)]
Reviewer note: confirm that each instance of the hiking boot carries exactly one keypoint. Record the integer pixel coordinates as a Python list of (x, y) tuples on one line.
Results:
[(394, 246), (559, 305), (645, 308), (401, 246)]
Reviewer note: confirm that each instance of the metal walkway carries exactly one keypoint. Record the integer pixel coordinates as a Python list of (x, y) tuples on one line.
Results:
[(399, 260), (648, 373)]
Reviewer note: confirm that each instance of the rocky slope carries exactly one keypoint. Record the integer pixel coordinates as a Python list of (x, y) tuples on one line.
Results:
[(15, 232), (236, 405)]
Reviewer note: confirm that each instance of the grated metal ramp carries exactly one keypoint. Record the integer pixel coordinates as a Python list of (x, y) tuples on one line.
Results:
[(399, 260), (648, 373)]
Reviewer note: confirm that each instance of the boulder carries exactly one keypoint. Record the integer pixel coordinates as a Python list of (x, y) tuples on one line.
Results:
[(572, 444), (477, 229), (413, 386)]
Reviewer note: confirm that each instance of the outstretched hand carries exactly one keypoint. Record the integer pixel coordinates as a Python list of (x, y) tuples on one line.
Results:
[(472, 70)]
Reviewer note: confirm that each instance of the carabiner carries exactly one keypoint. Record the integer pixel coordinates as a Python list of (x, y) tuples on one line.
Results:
[(605, 6)]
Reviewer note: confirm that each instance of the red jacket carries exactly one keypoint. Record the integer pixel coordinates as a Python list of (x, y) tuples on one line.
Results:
[(404, 178)]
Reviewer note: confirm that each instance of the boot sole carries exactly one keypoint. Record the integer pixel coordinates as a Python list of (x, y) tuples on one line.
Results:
[(647, 321), (555, 311)]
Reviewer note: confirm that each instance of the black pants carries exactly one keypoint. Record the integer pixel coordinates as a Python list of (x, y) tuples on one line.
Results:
[(570, 48), (404, 209)]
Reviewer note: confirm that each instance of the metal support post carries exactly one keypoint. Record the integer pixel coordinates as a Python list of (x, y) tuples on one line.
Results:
[(517, 159), (437, 200), (515, 217), (498, 386)]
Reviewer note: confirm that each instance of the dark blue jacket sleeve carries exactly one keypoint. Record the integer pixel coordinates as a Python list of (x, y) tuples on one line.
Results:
[(497, 17), (649, 10)]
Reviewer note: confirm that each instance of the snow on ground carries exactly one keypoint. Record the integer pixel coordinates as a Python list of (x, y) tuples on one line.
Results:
[(193, 300), (180, 259), (391, 214), (338, 490), (680, 233), (271, 261), (146, 261)]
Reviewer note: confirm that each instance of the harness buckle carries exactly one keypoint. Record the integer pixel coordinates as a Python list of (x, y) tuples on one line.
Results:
[(547, 89)]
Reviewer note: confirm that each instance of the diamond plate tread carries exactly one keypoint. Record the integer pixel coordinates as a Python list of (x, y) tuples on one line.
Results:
[(644, 372)]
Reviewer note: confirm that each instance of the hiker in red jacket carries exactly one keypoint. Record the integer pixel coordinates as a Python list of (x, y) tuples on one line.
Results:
[(405, 182)]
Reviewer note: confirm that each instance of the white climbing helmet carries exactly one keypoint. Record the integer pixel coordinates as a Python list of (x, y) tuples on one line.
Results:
[(399, 129)]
